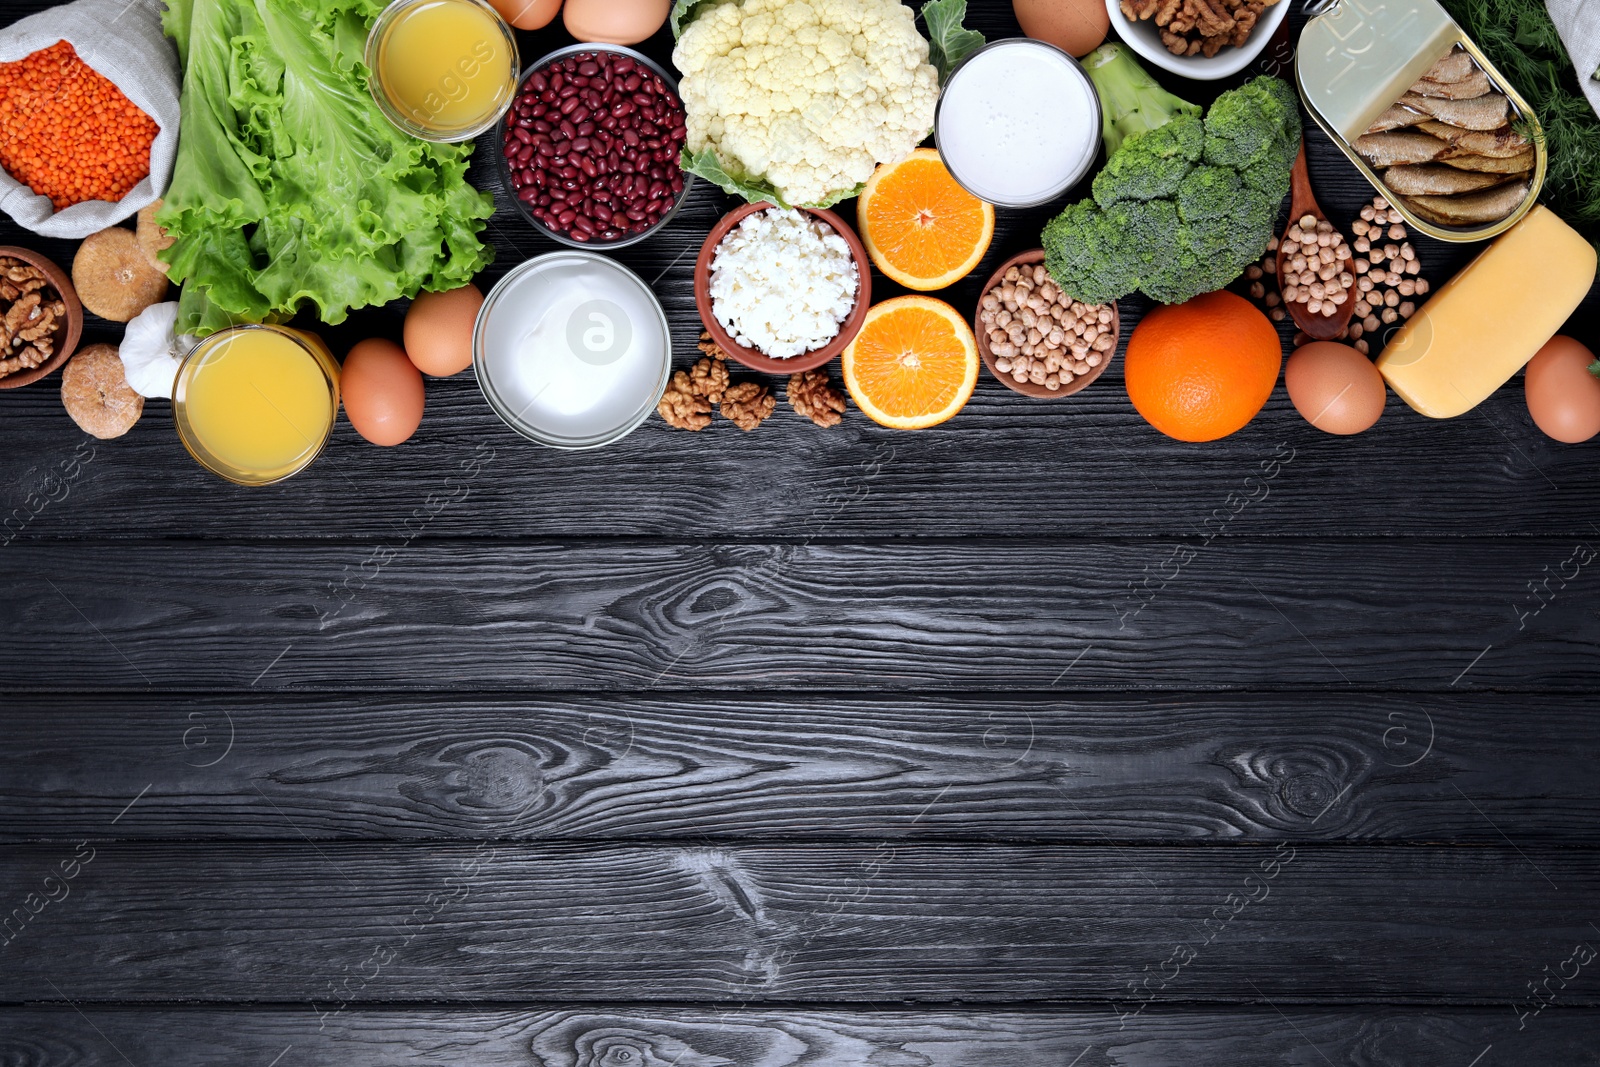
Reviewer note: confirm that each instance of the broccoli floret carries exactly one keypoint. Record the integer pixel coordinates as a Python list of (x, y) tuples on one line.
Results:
[(1182, 208), (1088, 256), (1257, 123), (1151, 165), (1130, 100)]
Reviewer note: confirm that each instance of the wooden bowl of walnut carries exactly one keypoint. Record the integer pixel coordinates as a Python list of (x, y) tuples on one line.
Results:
[(1078, 381), (20, 272)]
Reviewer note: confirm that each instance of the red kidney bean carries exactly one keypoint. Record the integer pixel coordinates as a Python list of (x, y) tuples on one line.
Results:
[(592, 145)]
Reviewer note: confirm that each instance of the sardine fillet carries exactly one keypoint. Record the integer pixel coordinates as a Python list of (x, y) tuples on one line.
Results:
[(1482, 113), (1473, 85), (1396, 118), (1452, 68), (1399, 146), (1490, 205), (1520, 163), (1433, 179), (1498, 143)]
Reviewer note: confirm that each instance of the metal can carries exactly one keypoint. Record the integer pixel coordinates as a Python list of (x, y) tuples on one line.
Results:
[(1357, 58)]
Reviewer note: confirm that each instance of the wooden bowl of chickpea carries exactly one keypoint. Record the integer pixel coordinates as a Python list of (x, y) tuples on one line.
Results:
[(1085, 336)]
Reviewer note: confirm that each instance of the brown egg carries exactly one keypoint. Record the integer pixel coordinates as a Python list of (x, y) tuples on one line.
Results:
[(527, 14), (1563, 397), (615, 21), (438, 330), (382, 392), (1334, 387), (1077, 27)]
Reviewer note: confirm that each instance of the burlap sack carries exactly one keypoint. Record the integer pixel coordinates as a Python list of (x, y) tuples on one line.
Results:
[(1578, 22), (121, 39)]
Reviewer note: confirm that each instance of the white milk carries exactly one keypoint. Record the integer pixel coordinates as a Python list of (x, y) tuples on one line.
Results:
[(1019, 123), (571, 349)]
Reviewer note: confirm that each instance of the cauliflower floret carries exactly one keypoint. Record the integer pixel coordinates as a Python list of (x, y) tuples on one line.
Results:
[(809, 94)]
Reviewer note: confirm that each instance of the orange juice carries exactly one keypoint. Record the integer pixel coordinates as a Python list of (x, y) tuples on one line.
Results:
[(255, 404), (442, 66)]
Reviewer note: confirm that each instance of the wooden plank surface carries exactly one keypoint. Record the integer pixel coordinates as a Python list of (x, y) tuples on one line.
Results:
[(701, 749), (1405, 614), (458, 923), (570, 767), (1264, 1036), (1091, 467)]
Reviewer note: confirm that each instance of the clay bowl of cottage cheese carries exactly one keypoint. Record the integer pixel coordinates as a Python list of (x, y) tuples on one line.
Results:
[(782, 290)]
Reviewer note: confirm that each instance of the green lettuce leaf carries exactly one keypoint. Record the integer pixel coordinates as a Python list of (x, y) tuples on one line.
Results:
[(949, 42), (290, 187), (686, 11)]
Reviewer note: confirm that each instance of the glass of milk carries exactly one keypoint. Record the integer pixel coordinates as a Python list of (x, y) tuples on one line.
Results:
[(571, 349), (1018, 123)]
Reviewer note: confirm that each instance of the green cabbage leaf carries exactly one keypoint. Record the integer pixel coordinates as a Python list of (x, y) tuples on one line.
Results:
[(290, 187)]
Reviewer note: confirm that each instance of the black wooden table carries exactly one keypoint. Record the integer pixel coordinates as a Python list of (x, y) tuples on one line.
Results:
[(1033, 739)]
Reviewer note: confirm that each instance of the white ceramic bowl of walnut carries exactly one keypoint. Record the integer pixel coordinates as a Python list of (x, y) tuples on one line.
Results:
[(1144, 37)]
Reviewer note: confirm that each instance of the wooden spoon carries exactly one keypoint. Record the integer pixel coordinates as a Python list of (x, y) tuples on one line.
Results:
[(1319, 327)]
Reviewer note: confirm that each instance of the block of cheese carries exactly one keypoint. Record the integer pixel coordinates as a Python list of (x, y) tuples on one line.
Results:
[(1484, 324)]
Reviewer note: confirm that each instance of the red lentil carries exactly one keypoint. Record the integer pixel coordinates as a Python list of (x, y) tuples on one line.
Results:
[(67, 132)]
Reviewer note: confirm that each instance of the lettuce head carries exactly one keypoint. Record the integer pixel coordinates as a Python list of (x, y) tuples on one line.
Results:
[(290, 187)]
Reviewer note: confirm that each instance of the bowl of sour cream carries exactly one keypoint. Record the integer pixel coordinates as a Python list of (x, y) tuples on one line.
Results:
[(1018, 123)]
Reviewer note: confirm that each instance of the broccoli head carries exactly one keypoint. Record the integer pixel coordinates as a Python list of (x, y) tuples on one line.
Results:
[(1182, 206), (1097, 255), (1151, 165), (1255, 124)]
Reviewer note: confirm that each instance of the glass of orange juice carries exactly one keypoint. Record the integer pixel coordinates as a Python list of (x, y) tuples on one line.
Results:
[(442, 70), (256, 404)]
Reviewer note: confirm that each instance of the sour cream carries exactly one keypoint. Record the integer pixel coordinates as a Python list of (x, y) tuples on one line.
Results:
[(1018, 123)]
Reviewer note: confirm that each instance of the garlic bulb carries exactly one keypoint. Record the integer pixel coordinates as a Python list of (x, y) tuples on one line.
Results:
[(151, 351)]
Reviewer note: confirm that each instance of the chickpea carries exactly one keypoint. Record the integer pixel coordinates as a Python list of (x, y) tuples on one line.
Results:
[(1406, 309), (1390, 315)]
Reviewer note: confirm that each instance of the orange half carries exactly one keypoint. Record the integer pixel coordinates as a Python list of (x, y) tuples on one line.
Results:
[(919, 226), (913, 365)]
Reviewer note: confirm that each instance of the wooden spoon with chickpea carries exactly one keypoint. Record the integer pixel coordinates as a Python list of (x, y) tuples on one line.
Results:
[(1316, 272)]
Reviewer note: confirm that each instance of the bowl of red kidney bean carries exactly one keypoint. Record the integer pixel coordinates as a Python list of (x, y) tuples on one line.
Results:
[(590, 146)]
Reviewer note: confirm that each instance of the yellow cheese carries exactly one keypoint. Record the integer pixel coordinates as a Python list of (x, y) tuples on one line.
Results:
[(1484, 324)]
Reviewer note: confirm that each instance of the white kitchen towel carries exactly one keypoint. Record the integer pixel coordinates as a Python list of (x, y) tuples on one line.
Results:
[(121, 39), (1578, 22)]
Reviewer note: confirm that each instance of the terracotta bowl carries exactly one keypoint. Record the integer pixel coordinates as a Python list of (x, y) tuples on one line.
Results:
[(1029, 258), (749, 356), (67, 340)]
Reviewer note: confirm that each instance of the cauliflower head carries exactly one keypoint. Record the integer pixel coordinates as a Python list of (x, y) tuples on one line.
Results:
[(799, 100)]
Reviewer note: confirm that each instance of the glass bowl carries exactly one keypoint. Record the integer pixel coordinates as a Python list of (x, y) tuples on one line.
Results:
[(233, 469), (452, 84), (572, 349), (518, 117)]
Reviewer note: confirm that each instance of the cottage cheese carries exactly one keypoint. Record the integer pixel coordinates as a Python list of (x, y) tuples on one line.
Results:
[(782, 282)]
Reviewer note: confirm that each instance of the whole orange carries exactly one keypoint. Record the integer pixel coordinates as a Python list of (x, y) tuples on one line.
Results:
[(1200, 370)]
